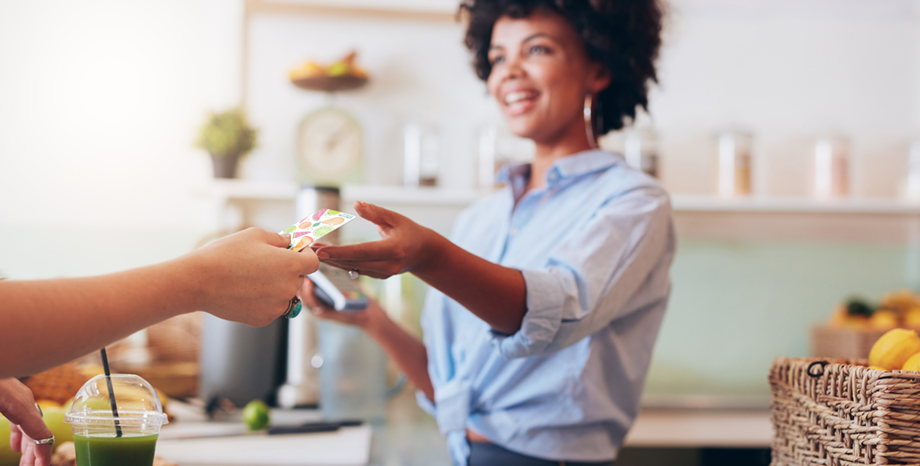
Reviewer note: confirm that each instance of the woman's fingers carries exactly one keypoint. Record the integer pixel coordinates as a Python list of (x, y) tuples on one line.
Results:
[(374, 214), (362, 252)]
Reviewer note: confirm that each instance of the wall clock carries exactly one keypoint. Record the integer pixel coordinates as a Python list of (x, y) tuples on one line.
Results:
[(330, 147)]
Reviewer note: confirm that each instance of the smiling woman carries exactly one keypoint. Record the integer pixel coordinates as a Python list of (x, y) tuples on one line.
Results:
[(546, 304)]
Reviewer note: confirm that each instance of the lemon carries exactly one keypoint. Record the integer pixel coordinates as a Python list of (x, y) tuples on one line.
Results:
[(893, 348), (912, 363), (883, 319), (912, 317), (255, 415)]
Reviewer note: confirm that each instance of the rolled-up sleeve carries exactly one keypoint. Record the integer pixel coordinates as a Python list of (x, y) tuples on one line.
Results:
[(590, 278)]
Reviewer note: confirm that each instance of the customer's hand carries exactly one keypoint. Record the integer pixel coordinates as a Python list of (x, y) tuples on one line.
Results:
[(405, 246), (250, 276), (18, 405)]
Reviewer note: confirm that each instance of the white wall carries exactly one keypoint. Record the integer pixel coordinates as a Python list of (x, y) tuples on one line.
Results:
[(99, 102)]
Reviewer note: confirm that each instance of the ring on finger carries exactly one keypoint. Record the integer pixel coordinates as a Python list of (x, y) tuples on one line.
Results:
[(45, 441), (294, 308), (39, 408), (354, 274)]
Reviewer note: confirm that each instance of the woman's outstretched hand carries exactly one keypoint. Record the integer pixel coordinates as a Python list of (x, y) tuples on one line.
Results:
[(405, 246)]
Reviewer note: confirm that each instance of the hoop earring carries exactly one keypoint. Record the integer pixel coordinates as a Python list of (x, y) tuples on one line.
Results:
[(590, 123)]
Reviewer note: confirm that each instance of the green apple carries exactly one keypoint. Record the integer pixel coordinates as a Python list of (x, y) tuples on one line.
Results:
[(338, 68)]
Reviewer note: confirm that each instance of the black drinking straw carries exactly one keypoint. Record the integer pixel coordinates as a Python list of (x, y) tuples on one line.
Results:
[(108, 382)]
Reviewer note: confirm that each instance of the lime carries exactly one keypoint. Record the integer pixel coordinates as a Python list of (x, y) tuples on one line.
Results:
[(255, 415)]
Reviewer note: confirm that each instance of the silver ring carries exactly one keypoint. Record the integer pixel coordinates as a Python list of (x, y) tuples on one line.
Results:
[(40, 413), (45, 441), (294, 308), (353, 274)]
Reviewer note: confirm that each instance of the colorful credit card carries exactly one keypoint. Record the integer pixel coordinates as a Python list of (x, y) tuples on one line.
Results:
[(314, 227)]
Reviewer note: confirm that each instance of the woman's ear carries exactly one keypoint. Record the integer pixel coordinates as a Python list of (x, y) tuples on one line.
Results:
[(598, 78)]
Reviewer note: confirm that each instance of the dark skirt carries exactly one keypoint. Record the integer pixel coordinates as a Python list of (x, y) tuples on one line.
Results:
[(490, 454)]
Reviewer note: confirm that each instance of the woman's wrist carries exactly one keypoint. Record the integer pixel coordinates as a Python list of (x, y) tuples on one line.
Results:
[(432, 252), (189, 282), (376, 324)]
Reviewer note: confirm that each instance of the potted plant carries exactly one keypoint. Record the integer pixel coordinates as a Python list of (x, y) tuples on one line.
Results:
[(227, 136)]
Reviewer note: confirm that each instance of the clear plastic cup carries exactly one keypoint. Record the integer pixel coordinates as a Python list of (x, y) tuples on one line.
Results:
[(101, 438)]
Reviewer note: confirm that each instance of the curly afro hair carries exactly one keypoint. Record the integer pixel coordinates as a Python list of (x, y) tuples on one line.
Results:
[(623, 35)]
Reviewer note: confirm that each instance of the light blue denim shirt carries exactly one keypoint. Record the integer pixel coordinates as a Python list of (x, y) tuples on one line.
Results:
[(594, 247)]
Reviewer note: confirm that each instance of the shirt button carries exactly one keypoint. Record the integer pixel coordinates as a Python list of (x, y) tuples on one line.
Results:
[(513, 232)]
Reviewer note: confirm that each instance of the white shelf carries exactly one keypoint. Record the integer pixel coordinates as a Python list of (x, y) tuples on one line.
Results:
[(715, 204), (243, 190), (422, 196), (232, 190)]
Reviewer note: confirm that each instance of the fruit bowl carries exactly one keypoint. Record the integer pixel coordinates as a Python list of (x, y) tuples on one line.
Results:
[(330, 83)]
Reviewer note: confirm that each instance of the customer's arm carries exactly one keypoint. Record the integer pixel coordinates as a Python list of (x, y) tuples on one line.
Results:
[(247, 277)]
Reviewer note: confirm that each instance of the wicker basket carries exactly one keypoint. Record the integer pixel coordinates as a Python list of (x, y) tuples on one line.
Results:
[(838, 413), (850, 343)]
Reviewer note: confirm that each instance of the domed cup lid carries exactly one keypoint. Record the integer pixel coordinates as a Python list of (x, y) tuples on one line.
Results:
[(136, 401)]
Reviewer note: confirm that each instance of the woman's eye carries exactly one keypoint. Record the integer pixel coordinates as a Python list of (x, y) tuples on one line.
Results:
[(538, 49), (496, 60)]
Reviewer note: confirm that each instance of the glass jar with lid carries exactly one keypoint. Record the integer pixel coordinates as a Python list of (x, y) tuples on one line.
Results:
[(734, 164)]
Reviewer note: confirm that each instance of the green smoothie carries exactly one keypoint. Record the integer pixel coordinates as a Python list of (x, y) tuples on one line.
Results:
[(115, 451)]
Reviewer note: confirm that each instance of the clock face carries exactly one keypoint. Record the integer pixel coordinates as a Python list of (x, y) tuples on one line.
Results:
[(329, 145)]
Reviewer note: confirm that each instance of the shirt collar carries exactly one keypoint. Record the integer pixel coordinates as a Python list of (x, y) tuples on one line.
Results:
[(571, 166)]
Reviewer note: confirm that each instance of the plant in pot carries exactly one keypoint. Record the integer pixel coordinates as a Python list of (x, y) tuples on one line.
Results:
[(227, 136)]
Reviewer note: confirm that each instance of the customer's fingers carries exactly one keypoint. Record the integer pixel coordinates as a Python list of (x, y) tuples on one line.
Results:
[(15, 438)]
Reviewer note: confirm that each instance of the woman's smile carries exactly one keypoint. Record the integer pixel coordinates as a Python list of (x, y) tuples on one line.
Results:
[(518, 101)]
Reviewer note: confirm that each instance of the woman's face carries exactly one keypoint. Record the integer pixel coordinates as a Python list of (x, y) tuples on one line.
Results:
[(540, 76)]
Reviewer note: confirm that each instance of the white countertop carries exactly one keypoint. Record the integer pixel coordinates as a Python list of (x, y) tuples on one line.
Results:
[(419, 443), (702, 428)]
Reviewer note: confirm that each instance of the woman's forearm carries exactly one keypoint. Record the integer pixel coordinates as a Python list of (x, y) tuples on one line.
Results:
[(494, 293), (406, 350)]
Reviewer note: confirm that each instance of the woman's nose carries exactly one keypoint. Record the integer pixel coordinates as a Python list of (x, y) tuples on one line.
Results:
[(512, 69)]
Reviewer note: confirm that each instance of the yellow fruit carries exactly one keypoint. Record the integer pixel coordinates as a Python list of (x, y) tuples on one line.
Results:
[(912, 363), (893, 348), (877, 368), (839, 317), (900, 300), (912, 317), (883, 319), (45, 404), (307, 70)]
